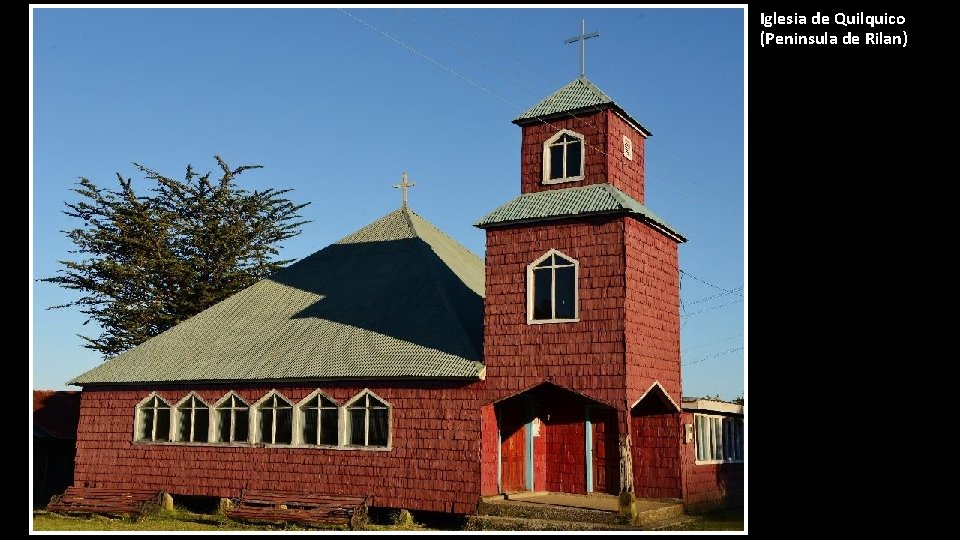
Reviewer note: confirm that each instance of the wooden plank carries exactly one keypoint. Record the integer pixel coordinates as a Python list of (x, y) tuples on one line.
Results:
[(304, 508), (104, 501)]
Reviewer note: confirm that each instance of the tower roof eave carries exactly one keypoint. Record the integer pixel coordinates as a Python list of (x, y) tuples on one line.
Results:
[(576, 98)]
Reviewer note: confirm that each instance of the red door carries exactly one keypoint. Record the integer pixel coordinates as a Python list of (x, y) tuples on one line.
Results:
[(606, 466), (512, 446)]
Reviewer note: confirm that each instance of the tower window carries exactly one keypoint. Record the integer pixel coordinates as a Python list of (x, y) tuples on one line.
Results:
[(552, 289), (563, 158)]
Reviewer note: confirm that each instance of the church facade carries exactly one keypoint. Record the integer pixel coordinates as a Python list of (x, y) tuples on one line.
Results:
[(396, 363)]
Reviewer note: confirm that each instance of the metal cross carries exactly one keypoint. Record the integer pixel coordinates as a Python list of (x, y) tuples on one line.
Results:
[(403, 186), (582, 38)]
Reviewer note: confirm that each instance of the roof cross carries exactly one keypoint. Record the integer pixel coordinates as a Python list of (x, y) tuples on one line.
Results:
[(582, 38), (403, 186)]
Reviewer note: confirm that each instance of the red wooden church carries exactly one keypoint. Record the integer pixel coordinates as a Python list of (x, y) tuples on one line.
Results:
[(398, 364)]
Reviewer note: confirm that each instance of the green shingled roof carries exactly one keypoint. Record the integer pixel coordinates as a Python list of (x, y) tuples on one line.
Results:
[(570, 202), (398, 298), (579, 94)]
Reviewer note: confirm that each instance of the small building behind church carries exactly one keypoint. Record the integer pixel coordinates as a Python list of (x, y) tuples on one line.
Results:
[(396, 363)]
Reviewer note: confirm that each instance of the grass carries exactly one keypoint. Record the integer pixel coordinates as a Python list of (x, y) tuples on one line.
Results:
[(177, 520), (184, 520), (721, 520)]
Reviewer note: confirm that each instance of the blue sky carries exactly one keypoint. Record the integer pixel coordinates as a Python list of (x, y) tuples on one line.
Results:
[(336, 109)]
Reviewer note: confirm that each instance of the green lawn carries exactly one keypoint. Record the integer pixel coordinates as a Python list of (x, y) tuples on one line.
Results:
[(178, 520), (164, 521), (182, 520), (722, 520)]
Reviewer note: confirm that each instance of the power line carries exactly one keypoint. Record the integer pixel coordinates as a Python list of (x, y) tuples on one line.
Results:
[(494, 94), (721, 340), (712, 356), (688, 315), (495, 45), (508, 102), (463, 52), (454, 72), (427, 57), (705, 282), (738, 290)]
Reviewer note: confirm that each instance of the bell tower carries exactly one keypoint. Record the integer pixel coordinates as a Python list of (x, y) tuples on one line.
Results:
[(582, 297)]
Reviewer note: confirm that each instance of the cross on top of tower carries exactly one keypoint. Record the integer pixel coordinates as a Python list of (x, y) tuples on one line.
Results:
[(403, 186), (582, 37)]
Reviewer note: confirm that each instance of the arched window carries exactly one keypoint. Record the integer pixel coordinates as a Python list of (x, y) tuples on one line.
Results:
[(274, 420), (193, 419), (319, 420), (563, 157), (368, 421), (153, 419), (232, 419), (552, 291)]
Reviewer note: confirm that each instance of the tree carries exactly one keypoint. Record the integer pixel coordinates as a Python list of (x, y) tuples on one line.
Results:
[(153, 261)]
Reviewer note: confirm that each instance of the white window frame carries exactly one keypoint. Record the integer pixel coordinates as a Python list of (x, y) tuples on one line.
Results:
[(345, 432), (175, 420), (254, 431), (546, 158), (553, 292), (138, 418), (723, 447), (300, 415), (215, 419)]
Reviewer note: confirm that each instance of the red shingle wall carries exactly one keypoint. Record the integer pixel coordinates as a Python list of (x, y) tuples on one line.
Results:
[(593, 128), (652, 308), (604, 162), (655, 445), (621, 172), (488, 451), (587, 356), (710, 486), (434, 463)]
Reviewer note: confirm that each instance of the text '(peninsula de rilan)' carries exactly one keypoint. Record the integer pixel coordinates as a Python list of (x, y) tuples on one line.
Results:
[(883, 29)]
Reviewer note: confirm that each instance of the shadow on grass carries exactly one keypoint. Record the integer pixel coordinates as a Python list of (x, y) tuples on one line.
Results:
[(729, 519)]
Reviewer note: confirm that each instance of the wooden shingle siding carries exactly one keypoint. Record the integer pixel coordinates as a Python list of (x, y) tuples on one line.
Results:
[(587, 355), (709, 486), (434, 463), (604, 162), (655, 443), (652, 311)]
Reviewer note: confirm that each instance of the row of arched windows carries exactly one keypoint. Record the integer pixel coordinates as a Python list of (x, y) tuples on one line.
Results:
[(317, 420)]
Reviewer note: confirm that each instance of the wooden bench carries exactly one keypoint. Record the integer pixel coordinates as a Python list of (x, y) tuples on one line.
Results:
[(301, 508), (90, 500)]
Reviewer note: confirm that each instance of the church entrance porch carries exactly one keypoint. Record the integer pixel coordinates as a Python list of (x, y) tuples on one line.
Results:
[(553, 440)]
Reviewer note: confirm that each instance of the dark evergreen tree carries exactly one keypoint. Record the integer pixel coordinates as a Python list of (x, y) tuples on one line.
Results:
[(151, 261)]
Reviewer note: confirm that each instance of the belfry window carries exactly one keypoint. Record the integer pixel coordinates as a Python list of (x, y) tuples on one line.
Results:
[(563, 157), (552, 288)]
